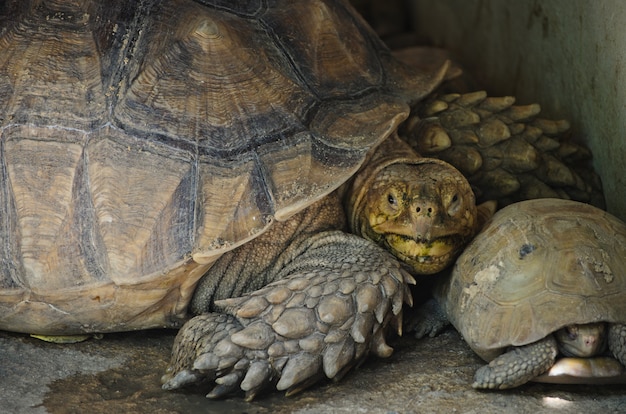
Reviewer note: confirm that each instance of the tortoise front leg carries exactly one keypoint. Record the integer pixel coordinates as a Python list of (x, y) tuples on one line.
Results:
[(517, 366), (617, 341), (427, 320), (326, 312)]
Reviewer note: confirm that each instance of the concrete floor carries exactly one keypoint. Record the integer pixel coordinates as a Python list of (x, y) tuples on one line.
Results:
[(121, 372)]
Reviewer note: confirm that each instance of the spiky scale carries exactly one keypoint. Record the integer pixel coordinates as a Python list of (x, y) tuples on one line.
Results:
[(522, 112), (431, 138), (379, 345), (390, 286), (312, 344), (347, 286), (362, 327), (255, 336), (496, 104), (278, 295), (450, 97), (299, 368), (298, 284), (334, 310), (253, 307), (222, 390), (472, 98), (532, 134), (257, 375), (294, 323), (556, 173), (546, 144), (498, 183), (492, 131), (464, 136), (519, 156), (336, 356), (459, 118), (296, 300), (466, 158), (382, 309), (551, 127), (367, 298), (206, 362), (435, 107), (336, 335)]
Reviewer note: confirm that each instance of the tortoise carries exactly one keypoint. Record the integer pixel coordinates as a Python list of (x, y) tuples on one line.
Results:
[(164, 159), (544, 277)]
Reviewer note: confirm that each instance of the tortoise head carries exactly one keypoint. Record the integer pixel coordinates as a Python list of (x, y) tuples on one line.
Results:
[(421, 210)]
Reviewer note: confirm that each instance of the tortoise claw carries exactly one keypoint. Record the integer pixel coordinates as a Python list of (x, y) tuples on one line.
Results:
[(181, 379)]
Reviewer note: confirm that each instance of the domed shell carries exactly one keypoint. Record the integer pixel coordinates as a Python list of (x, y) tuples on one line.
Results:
[(138, 135), (537, 266)]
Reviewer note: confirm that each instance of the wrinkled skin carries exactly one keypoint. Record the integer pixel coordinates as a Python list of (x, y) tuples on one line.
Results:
[(422, 214), (326, 297)]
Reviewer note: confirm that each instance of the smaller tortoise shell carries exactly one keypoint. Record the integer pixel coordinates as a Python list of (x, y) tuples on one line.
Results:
[(537, 266)]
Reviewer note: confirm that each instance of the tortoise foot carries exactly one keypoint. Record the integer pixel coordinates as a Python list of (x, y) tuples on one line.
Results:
[(427, 320), (197, 348), (517, 366)]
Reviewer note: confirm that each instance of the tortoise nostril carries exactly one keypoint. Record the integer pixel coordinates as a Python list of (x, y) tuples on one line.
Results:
[(425, 208)]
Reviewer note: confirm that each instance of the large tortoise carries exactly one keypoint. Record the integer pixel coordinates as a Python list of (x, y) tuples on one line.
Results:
[(147, 145), (143, 141), (544, 277)]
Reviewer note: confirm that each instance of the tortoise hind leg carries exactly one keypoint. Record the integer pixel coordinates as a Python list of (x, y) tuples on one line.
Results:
[(517, 366), (190, 363), (617, 341)]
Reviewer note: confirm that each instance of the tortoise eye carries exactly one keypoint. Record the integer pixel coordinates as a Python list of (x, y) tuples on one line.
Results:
[(454, 205), (392, 200)]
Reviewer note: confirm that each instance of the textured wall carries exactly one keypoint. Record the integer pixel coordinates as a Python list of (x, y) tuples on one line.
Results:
[(567, 55)]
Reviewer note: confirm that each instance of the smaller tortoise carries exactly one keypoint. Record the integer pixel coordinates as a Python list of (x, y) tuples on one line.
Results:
[(544, 277)]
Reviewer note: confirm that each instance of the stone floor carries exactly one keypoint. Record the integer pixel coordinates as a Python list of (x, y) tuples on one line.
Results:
[(121, 372)]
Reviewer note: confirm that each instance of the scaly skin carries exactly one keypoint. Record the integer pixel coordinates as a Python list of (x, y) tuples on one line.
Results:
[(327, 298), (617, 341), (306, 300), (517, 366), (522, 364), (319, 320)]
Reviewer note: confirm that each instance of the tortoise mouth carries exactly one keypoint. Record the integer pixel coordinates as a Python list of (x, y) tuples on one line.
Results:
[(425, 256)]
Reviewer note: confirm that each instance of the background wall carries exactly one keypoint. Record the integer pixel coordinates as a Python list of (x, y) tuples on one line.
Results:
[(567, 55)]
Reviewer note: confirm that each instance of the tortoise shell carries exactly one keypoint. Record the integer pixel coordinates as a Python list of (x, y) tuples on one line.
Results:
[(142, 139), (536, 267)]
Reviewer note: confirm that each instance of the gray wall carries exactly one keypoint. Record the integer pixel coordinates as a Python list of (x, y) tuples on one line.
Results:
[(567, 55)]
